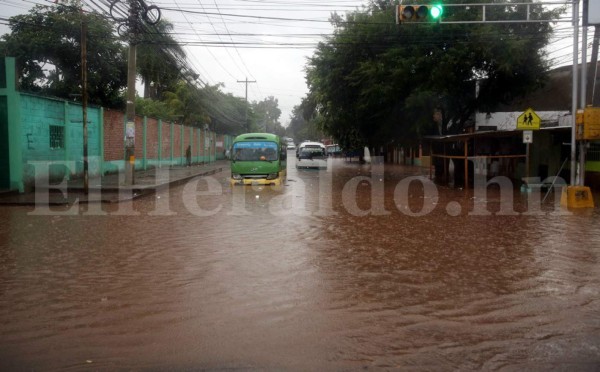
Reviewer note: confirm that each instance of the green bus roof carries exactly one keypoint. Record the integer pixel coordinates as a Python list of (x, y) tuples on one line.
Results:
[(257, 136)]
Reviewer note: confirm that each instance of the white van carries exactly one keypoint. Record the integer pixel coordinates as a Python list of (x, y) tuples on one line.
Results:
[(311, 155)]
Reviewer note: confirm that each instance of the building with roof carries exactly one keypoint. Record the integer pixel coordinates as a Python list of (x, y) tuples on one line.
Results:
[(495, 146)]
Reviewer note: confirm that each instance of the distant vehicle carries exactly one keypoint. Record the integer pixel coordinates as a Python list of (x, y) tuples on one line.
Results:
[(311, 155), (258, 158), (291, 146), (334, 150)]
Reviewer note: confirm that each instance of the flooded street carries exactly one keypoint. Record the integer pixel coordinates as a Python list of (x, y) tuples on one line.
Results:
[(299, 278)]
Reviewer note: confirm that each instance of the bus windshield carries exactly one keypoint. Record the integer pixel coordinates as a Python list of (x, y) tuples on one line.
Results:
[(255, 151)]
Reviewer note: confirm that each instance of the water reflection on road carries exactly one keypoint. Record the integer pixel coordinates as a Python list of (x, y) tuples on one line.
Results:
[(278, 280)]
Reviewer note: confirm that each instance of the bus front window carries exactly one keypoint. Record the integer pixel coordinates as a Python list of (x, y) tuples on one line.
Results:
[(255, 151)]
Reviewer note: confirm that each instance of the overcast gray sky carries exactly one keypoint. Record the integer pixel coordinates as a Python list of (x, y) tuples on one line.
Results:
[(267, 41)]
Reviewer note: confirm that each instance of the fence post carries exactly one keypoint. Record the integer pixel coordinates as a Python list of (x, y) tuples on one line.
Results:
[(101, 139), (181, 144), (145, 145), (171, 146), (159, 143)]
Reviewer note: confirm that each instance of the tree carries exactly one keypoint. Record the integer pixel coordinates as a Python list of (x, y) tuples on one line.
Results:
[(185, 105), (154, 109), (374, 81), (267, 114), (47, 45), (302, 128), (195, 106), (158, 60)]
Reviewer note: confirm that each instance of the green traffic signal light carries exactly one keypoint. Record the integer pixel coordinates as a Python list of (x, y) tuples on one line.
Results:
[(419, 13), (436, 11)]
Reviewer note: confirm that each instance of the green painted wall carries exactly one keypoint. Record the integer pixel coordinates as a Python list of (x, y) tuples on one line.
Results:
[(12, 136), (38, 115), (4, 159)]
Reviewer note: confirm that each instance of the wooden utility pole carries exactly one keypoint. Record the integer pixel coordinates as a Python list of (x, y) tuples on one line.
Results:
[(84, 99)]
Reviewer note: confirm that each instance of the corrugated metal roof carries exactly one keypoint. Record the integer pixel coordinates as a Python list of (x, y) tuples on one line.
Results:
[(487, 133)]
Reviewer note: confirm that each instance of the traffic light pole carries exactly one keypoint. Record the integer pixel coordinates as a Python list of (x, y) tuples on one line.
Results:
[(582, 101), (573, 169)]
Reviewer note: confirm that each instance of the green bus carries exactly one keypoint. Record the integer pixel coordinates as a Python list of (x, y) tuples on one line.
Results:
[(258, 158)]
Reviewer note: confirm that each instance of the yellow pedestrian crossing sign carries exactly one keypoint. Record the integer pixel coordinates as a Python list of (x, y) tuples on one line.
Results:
[(528, 120)]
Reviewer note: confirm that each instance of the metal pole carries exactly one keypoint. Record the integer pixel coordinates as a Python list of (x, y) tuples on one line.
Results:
[(466, 164), (573, 180), (583, 88), (527, 159), (84, 99), (583, 100), (595, 96)]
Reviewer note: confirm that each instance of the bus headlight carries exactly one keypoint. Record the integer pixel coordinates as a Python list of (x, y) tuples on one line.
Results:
[(272, 176), (236, 176)]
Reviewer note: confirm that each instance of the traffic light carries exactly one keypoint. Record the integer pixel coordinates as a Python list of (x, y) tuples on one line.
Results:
[(419, 13)]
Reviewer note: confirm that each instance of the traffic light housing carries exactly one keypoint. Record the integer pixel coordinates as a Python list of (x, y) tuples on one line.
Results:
[(419, 13)]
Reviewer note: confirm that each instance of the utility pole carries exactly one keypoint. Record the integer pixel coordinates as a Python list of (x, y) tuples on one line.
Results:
[(246, 109), (130, 27), (130, 110), (84, 99)]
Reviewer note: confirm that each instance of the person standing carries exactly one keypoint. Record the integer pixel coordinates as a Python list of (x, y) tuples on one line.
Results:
[(188, 155)]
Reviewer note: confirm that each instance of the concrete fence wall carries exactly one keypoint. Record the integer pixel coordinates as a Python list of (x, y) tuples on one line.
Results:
[(158, 143), (42, 137)]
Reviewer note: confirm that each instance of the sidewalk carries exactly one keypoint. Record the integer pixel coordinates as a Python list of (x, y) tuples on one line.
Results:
[(110, 188)]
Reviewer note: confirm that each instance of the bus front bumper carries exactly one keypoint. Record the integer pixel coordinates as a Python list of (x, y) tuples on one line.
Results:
[(255, 181)]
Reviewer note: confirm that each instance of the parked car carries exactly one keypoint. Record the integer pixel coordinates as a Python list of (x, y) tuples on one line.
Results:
[(334, 150)]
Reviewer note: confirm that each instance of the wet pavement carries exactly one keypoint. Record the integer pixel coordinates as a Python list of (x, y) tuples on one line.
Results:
[(205, 276)]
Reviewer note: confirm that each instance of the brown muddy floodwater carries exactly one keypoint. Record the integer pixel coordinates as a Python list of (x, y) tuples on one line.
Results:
[(256, 278)]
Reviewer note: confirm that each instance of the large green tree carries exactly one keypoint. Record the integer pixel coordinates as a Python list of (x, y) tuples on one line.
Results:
[(185, 104), (374, 81), (159, 60), (303, 127), (199, 106), (267, 114), (47, 45)]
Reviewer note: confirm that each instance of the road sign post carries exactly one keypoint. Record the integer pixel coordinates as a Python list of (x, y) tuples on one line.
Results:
[(528, 121)]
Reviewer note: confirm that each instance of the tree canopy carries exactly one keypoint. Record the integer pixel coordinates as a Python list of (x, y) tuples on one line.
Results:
[(374, 80), (267, 114), (159, 57), (47, 45)]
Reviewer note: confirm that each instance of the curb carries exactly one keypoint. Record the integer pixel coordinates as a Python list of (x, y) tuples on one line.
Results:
[(120, 194)]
